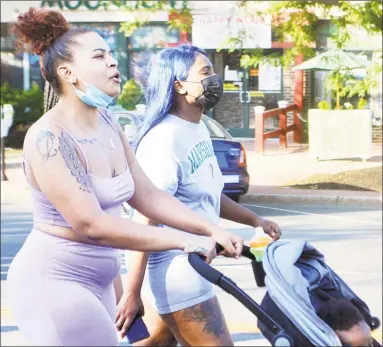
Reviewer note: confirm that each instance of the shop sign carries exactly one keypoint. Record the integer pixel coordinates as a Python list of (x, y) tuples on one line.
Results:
[(96, 4), (213, 31), (270, 77)]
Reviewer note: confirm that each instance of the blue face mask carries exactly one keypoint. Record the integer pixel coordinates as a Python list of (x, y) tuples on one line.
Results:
[(93, 96)]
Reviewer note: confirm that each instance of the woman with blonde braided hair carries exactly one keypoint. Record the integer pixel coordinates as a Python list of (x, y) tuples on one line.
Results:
[(50, 97)]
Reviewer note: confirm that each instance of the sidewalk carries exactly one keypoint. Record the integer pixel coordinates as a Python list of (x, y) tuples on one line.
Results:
[(269, 173), (277, 167)]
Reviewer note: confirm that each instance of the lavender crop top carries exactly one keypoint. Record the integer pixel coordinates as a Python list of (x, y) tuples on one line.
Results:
[(110, 192)]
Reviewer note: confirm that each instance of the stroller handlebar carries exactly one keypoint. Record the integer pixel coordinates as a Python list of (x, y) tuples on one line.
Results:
[(245, 251), (280, 338), (208, 272)]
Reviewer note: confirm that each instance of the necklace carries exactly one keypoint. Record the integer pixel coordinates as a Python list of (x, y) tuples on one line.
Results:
[(93, 139)]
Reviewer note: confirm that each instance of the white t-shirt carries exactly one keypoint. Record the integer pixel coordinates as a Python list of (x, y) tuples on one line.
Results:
[(178, 157)]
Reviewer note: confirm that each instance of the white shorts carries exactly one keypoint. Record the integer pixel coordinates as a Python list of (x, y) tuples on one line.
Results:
[(171, 284)]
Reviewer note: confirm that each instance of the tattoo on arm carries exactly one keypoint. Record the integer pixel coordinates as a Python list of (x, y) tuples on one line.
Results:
[(209, 316), (73, 163), (44, 144)]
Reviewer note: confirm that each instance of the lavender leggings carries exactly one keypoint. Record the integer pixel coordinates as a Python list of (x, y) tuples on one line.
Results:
[(62, 292)]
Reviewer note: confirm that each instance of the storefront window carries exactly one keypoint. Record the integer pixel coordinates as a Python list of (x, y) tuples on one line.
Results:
[(152, 37), (11, 63), (105, 30), (8, 41), (36, 76), (264, 83), (143, 46), (139, 65), (12, 69)]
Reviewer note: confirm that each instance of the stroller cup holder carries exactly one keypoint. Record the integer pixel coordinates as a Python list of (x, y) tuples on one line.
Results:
[(281, 338), (257, 266)]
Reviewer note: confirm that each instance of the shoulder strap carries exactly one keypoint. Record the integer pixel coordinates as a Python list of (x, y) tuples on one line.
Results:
[(104, 114)]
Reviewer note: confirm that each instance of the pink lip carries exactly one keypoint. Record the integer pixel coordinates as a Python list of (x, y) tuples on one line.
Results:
[(116, 77)]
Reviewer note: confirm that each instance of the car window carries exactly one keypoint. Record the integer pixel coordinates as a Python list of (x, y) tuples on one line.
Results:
[(216, 130)]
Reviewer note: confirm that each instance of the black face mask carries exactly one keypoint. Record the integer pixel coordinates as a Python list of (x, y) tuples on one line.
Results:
[(212, 92)]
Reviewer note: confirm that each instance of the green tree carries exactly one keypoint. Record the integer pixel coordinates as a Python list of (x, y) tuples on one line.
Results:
[(293, 21), (28, 104), (131, 95), (296, 22)]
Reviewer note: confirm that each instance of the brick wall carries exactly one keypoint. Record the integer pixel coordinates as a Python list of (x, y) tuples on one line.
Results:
[(288, 85), (288, 90), (377, 135), (229, 111), (307, 91)]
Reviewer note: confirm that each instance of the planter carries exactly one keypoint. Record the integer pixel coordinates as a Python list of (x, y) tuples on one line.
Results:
[(338, 134)]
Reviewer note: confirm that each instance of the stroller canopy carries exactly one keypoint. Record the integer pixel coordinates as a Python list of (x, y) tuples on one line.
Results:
[(293, 270)]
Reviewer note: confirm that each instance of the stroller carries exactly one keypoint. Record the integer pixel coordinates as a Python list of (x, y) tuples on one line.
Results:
[(290, 271)]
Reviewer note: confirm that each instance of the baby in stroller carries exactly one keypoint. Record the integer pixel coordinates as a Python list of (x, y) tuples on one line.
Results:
[(310, 302), (306, 303), (339, 314), (347, 322)]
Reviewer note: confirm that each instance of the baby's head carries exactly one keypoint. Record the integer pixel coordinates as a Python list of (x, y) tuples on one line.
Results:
[(347, 322)]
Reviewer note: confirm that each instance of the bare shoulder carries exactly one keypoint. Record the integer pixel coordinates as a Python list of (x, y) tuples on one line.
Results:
[(42, 137)]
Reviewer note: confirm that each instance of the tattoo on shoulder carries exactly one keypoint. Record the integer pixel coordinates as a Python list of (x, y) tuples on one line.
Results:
[(73, 162), (45, 144), (86, 141)]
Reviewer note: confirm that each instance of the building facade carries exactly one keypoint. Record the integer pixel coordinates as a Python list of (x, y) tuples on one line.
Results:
[(213, 23)]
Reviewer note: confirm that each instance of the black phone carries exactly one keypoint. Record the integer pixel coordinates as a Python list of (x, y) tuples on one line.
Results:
[(137, 330)]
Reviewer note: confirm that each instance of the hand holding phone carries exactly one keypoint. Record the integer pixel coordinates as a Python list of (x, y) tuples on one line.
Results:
[(137, 330)]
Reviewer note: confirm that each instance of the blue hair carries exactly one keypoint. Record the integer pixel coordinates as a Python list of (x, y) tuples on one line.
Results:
[(171, 64)]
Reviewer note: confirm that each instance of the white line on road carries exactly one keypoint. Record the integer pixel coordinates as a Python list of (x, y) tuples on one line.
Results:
[(14, 235), (316, 214)]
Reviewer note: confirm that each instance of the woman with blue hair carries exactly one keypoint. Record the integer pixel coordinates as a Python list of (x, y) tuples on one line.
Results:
[(174, 149)]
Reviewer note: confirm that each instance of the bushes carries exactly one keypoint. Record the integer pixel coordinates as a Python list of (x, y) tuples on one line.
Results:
[(28, 104), (131, 95), (323, 105), (28, 107)]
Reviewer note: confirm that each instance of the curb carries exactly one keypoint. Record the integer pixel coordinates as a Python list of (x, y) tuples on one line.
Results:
[(328, 200), (12, 165)]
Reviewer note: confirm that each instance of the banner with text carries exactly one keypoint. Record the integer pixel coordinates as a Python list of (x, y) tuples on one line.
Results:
[(213, 31)]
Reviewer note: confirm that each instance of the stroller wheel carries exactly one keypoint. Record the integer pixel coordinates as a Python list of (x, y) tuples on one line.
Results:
[(375, 323), (282, 340)]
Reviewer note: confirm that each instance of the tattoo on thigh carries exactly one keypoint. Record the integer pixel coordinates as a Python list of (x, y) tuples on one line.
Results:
[(73, 162), (209, 314), (45, 144)]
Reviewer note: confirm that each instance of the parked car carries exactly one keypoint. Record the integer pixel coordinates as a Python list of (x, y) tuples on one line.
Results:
[(230, 154)]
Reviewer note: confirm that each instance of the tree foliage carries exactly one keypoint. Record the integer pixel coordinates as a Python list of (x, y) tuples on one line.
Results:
[(131, 95), (292, 21), (296, 22)]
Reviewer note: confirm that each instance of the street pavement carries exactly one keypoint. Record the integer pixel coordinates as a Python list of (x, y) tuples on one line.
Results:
[(349, 237)]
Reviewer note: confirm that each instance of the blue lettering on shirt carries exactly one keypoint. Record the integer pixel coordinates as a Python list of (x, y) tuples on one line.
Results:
[(200, 152)]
